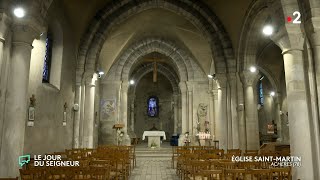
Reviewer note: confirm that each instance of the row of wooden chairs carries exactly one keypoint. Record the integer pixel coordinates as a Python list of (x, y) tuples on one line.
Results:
[(220, 169), (220, 153), (106, 162)]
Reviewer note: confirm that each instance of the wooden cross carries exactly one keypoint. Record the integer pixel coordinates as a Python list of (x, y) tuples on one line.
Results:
[(155, 66)]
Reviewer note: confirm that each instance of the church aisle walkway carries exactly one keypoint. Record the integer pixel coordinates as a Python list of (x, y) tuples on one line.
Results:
[(153, 164)]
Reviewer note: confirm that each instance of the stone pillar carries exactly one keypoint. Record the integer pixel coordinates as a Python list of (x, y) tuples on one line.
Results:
[(82, 108), (215, 115), (312, 27), (175, 111), (76, 123), (232, 78), (124, 112), (277, 105), (301, 132), (88, 121), (249, 80), (4, 23), (229, 117), (190, 108), (132, 116), (241, 116), (221, 109), (184, 112), (17, 100), (211, 109)]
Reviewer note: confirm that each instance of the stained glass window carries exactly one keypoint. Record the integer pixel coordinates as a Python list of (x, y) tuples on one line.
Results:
[(47, 60), (260, 95), (153, 106)]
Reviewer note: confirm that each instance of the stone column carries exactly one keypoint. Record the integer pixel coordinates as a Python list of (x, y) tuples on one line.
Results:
[(241, 115), (276, 101), (88, 121), (175, 111), (184, 113), (221, 109), (190, 108), (76, 123), (4, 23), (211, 109), (132, 116), (229, 116), (312, 27), (232, 78), (17, 100), (215, 115), (301, 132), (249, 80), (124, 112)]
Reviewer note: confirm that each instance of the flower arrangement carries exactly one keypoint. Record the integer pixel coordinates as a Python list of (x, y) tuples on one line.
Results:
[(153, 145)]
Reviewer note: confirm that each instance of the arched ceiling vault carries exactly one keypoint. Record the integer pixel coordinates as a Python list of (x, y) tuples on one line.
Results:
[(194, 11)]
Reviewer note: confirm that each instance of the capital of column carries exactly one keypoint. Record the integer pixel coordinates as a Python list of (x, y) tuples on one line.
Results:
[(249, 78), (289, 37), (124, 86), (190, 85), (221, 80), (183, 86), (90, 79)]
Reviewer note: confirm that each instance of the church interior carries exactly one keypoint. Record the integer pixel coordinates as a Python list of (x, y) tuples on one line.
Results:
[(160, 89)]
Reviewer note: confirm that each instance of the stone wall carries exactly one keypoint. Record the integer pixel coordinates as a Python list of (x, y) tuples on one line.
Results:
[(163, 90), (48, 133)]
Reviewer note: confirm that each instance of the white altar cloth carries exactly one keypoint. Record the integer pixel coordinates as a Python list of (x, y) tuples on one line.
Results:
[(154, 133)]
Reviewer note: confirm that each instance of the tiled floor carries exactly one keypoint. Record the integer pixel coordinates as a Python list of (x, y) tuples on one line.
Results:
[(153, 165)]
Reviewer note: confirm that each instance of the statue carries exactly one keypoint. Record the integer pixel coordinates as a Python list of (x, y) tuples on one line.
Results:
[(202, 124)]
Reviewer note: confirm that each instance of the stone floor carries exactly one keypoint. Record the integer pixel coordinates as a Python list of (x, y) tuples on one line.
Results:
[(153, 164)]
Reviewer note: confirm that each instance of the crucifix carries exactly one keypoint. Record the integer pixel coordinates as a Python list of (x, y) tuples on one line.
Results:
[(155, 67)]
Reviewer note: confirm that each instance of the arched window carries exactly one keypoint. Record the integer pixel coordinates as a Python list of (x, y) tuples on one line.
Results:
[(153, 106), (47, 60), (260, 93)]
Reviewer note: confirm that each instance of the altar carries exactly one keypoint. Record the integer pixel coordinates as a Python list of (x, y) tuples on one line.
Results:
[(154, 137)]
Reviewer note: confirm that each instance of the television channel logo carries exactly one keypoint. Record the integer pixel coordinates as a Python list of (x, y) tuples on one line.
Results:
[(25, 159)]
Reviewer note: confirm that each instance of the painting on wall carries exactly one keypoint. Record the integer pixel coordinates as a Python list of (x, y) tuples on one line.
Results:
[(270, 129), (108, 107)]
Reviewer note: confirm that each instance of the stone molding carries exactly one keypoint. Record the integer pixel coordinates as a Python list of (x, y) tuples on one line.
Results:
[(248, 78), (221, 80), (288, 38)]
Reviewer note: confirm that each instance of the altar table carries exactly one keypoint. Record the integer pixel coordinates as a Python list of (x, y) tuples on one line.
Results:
[(154, 137)]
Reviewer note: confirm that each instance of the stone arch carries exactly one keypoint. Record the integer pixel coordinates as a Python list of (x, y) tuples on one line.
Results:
[(256, 15), (195, 11), (181, 60), (172, 77)]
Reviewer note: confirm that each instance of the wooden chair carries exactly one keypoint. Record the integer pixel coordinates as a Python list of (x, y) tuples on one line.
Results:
[(213, 174), (236, 152), (31, 174), (235, 174), (260, 174), (281, 173)]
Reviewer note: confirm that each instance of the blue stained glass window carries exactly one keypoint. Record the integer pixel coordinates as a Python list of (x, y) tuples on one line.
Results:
[(153, 106), (47, 60), (260, 95)]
